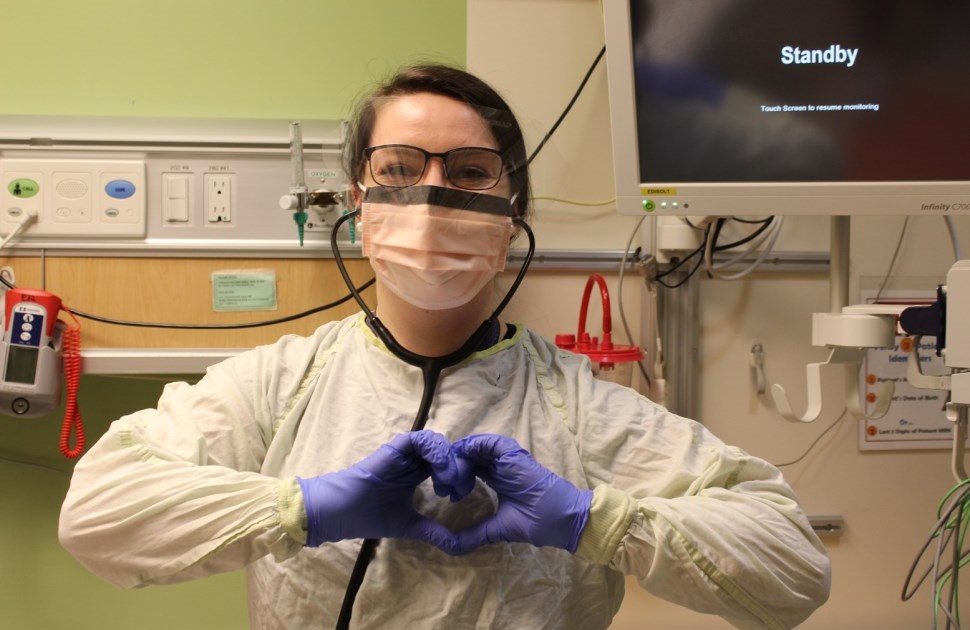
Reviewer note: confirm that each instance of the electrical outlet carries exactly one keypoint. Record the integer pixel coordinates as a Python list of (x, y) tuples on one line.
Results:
[(219, 194)]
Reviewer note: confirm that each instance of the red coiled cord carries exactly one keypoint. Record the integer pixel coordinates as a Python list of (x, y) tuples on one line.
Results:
[(72, 379)]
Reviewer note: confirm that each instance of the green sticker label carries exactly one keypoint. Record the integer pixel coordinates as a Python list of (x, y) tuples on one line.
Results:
[(244, 290), (23, 188)]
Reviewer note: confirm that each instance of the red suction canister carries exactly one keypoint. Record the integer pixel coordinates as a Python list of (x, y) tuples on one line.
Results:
[(611, 362)]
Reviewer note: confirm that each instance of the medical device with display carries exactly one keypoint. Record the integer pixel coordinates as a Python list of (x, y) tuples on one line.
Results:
[(31, 353), (831, 107), (35, 350)]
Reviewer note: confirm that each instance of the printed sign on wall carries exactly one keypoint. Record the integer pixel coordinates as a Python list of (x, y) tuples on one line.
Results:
[(915, 419)]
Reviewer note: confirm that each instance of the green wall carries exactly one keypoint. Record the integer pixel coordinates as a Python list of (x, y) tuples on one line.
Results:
[(177, 58), (213, 58), (41, 586)]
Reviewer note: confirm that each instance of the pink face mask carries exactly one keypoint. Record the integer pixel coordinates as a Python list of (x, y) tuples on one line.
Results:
[(434, 247)]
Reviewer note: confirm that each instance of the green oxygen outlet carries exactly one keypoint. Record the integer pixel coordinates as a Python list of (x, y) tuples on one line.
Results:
[(300, 218), (23, 188)]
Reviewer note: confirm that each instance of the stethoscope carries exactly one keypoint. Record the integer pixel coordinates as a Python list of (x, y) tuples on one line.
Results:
[(431, 368)]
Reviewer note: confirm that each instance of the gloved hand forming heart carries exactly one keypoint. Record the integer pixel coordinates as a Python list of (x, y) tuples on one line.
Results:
[(535, 505), (373, 498)]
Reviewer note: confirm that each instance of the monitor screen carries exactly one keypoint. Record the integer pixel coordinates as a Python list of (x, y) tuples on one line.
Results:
[(21, 365), (724, 107)]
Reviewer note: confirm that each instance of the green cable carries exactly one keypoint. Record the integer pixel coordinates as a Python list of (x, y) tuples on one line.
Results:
[(946, 497), (959, 525)]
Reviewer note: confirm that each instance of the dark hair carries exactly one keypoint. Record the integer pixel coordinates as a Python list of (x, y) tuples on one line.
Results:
[(453, 83)]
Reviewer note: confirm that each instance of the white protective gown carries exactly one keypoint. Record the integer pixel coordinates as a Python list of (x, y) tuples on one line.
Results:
[(206, 483)]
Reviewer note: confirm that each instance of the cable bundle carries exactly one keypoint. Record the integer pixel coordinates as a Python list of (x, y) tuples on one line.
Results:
[(768, 229), (949, 533), (770, 233)]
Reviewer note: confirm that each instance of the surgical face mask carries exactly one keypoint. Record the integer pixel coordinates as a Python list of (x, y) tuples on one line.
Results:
[(434, 247)]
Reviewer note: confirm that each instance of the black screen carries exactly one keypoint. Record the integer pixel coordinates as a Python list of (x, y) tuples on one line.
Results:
[(813, 90)]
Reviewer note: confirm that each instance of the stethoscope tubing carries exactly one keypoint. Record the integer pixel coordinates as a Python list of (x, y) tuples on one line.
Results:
[(431, 368)]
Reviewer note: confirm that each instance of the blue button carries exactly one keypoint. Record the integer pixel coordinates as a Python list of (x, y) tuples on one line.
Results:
[(120, 189)]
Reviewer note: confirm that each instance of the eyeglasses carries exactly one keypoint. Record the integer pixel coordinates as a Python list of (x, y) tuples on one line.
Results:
[(401, 165)]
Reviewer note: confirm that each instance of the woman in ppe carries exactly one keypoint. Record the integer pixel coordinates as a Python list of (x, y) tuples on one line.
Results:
[(530, 494)]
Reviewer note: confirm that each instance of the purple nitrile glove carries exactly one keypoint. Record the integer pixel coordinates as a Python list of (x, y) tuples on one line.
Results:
[(373, 498), (535, 505)]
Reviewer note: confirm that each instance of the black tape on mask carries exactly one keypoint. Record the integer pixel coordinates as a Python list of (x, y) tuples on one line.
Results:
[(439, 196)]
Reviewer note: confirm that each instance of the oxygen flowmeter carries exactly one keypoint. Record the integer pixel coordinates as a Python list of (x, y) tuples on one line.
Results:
[(300, 197)]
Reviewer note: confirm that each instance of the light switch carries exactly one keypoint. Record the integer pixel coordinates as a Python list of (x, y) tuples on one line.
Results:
[(175, 202)]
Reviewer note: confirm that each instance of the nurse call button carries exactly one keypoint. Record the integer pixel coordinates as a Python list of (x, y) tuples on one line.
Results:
[(23, 188)]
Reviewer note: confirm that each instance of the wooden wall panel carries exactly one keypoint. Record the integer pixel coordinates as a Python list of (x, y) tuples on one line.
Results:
[(178, 290)]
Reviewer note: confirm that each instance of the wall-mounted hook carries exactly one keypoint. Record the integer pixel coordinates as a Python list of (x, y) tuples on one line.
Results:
[(849, 335), (758, 369), (853, 397), (914, 370), (957, 414), (839, 358)]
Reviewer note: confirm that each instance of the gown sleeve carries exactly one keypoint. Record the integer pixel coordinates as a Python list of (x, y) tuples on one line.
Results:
[(175, 493), (697, 522)]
